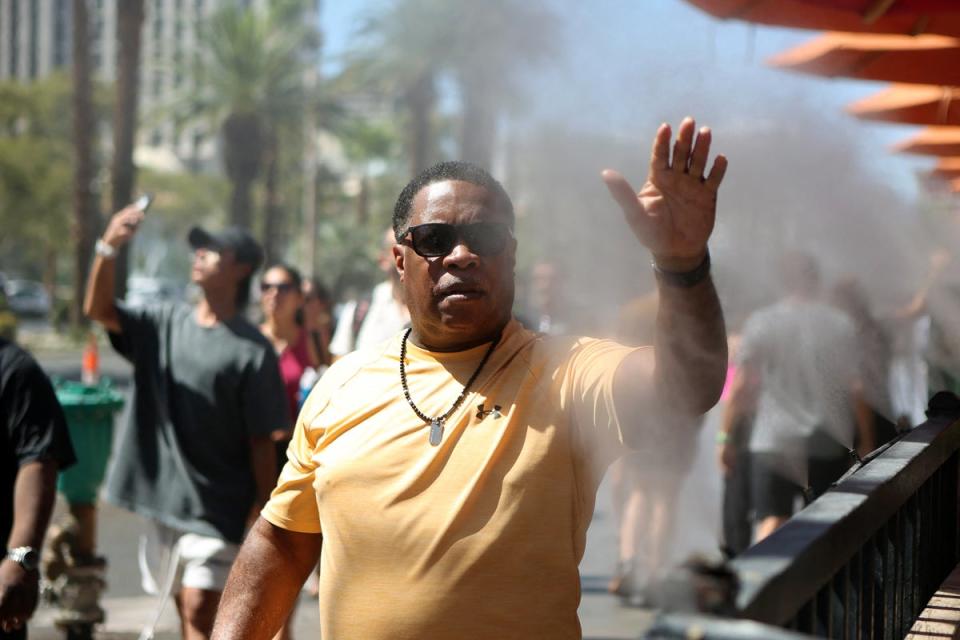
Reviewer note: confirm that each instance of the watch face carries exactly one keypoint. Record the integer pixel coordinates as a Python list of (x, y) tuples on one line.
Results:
[(31, 560)]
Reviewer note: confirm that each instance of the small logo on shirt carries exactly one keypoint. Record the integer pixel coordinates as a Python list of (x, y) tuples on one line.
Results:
[(483, 413)]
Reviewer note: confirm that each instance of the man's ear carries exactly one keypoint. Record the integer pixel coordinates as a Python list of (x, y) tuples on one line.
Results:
[(398, 259)]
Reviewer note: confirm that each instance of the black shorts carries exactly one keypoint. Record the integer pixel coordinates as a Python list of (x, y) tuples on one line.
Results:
[(774, 494)]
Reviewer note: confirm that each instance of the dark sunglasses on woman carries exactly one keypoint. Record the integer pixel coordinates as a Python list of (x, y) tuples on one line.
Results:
[(435, 239), (281, 287)]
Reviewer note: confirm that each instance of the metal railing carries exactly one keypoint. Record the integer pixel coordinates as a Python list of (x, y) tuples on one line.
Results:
[(861, 561)]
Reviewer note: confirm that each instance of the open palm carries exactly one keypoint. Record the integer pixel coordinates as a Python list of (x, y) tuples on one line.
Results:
[(674, 211)]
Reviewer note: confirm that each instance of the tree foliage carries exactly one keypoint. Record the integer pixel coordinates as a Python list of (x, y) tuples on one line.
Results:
[(247, 83), (36, 169)]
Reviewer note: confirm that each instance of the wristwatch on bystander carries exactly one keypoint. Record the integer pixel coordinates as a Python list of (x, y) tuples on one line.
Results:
[(104, 250), (26, 557)]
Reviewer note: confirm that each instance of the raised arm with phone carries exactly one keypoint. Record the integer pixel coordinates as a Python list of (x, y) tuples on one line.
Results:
[(199, 372)]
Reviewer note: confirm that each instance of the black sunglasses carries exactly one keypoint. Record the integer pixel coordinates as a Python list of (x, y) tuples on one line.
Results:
[(435, 239), (281, 287)]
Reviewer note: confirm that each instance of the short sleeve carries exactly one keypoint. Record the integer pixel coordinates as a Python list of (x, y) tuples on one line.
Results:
[(293, 503), (139, 326), (264, 397), (587, 381), (36, 423)]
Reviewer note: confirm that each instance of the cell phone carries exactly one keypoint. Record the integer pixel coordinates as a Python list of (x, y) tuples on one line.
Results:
[(143, 202)]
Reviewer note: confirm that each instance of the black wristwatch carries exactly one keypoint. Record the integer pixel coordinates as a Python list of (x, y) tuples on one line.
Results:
[(684, 279), (26, 557)]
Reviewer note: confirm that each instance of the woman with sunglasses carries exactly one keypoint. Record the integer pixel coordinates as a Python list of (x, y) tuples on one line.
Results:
[(281, 298)]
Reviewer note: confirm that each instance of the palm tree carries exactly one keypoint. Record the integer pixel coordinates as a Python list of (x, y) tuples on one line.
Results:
[(496, 40), (248, 83), (402, 51), (123, 171), (84, 204)]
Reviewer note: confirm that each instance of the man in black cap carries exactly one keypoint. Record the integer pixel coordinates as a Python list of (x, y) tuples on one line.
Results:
[(195, 454)]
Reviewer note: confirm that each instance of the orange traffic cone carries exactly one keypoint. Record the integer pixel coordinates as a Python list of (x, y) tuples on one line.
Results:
[(90, 363)]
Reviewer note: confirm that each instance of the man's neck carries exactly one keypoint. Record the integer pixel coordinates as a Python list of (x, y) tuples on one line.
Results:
[(453, 344), (215, 307)]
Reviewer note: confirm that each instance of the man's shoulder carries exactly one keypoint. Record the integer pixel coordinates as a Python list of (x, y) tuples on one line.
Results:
[(14, 358), (243, 329)]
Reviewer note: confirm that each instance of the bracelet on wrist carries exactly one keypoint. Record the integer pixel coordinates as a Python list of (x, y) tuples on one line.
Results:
[(104, 249), (684, 279)]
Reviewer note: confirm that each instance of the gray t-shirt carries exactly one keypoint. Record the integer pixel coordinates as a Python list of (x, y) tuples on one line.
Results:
[(199, 395), (806, 354)]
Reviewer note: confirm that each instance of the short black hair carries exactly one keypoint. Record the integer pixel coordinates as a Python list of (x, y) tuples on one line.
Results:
[(450, 170)]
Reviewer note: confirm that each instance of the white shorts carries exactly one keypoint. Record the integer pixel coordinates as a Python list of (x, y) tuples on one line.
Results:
[(170, 559)]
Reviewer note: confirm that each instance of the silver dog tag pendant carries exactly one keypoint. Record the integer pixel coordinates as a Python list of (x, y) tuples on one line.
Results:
[(436, 431)]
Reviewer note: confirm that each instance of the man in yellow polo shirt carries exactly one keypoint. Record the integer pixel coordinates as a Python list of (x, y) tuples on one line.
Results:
[(449, 474)]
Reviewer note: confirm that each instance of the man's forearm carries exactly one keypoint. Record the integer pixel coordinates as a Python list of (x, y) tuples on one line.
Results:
[(264, 582), (34, 493), (98, 303), (690, 347)]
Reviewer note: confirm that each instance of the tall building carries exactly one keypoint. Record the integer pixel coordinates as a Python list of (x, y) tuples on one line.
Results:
[(36, 39)]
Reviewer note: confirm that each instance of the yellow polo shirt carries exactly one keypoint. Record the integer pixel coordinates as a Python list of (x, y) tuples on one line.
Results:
[(479, 537)]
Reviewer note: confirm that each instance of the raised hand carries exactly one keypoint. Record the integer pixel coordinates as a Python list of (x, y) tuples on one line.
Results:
[(123, 225), (674, 212)]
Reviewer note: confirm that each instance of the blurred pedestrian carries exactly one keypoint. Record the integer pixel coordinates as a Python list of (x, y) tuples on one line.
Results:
[(281, 301), (195, 454), (449, 474), (737, 506), (316, 317), (548, 307), (647, 482), (875, 352), (799, 356), (34, 446), (374, 318)]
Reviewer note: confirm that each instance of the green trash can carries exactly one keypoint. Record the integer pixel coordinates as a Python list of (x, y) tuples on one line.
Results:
[(89, 410)]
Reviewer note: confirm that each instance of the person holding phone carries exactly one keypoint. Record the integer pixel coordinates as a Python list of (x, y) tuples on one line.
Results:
[(195, 454)]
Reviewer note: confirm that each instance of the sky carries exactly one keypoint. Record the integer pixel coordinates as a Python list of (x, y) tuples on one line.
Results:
[(629, 64)]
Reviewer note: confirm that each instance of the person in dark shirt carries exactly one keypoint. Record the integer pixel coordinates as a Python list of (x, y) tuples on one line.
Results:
[(195, 454), (34, 445)]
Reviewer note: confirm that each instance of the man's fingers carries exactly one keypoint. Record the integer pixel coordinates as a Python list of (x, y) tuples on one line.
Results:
[(621, 191), (681, 148), (660, 154), (716, 173), (701, 150)]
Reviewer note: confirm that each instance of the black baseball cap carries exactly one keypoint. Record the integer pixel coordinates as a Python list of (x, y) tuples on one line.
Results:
[(244, 248)]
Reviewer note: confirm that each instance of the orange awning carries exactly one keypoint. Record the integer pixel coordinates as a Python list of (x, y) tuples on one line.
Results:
[(934, 141), (911, 104), (800, 14), (921, 59), (874, 9), (947, 168)]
